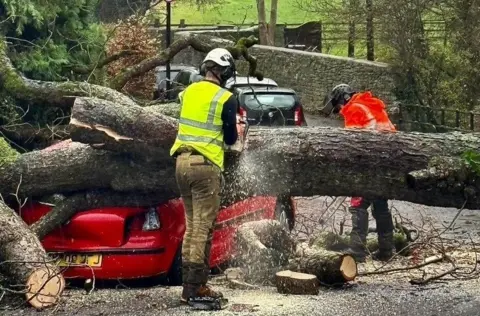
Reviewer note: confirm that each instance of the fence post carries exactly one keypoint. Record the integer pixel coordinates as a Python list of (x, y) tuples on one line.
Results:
[(182, 23), (442, 117), (320, 33), (457, 118), (472, 121), (351, 39), (369, 30)]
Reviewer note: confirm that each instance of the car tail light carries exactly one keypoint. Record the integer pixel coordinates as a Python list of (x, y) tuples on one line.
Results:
[(298, 116), (243, 114), (147, 221)]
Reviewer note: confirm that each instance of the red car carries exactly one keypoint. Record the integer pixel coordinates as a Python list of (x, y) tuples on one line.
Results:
[(133, 242)]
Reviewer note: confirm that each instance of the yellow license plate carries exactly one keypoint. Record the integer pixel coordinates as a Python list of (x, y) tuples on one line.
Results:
[(78, 259)]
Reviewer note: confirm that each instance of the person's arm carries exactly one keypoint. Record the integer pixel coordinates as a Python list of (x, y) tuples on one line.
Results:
[(229, 118)]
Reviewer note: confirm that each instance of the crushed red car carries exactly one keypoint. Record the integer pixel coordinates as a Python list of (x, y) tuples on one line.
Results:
[(138, 242)]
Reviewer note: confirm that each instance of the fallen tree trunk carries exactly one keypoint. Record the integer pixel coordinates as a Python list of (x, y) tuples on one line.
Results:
[(328, 266), (306, 161), (82, 201), (25, 262), (72, 167)]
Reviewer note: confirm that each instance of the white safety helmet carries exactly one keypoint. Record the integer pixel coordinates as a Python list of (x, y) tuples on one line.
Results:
[(222, 58)]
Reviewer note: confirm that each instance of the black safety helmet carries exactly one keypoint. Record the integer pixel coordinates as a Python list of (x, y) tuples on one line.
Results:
[(337, 98)]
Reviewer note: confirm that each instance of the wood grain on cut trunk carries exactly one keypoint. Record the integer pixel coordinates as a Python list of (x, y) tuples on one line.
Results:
[(25, 262)]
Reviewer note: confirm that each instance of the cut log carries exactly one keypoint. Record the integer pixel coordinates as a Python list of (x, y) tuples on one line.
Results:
[(320, 161), (263, 248), (71, 167), (25, 262), (329, 267), (82, 201), (289, 282), (132, 130)]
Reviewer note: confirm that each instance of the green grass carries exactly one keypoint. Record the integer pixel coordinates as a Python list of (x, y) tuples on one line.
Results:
[(238, 12)]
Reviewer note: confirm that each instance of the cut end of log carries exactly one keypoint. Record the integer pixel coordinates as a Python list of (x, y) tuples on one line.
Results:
[(289, 282), (44, 288), (348, 268)]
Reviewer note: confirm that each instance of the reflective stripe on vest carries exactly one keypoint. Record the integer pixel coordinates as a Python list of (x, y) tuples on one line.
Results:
[(211, 115), (199, 139)]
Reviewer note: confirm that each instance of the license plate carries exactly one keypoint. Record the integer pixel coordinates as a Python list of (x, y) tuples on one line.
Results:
[(78, 259)]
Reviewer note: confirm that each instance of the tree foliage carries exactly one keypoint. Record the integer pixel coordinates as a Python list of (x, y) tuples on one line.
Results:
[(49, 38)]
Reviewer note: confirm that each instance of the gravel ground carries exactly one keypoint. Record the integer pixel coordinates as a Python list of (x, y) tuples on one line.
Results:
[(382, 294)]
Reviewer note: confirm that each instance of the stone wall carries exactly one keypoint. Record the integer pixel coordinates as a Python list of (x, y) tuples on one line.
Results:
[(312, 75)]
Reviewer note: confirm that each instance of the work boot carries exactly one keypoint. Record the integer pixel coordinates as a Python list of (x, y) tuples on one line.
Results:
[(358, 235), (385, 247), (192, 291)]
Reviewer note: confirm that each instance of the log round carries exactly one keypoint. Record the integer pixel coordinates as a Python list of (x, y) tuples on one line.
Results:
[(329, 267), (25, 262), (289, 282)]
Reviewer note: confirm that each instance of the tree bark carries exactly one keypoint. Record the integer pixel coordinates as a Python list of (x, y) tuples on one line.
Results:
[(76, 167), (340, 162), (25, 262), (262, 22), (86, 200), (328, 266)]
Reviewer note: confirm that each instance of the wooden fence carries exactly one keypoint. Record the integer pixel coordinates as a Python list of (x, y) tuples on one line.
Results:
[(429, 119)]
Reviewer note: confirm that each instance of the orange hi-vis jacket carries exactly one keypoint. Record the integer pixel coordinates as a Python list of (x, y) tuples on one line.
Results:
[(365, 111)]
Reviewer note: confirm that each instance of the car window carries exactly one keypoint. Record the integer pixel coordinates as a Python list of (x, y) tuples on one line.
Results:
[(269, 100)]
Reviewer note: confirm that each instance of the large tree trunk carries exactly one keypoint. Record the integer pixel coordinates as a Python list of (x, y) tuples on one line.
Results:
[(262, 22), (74, 166), (340, 162), (272, 25), (25, 262)]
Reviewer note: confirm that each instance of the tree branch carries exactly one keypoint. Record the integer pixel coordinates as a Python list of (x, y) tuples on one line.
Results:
[(60, 94), (104, 62), (189, 41)]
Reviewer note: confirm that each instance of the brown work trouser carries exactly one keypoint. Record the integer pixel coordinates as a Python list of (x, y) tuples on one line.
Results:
[(199, 182)]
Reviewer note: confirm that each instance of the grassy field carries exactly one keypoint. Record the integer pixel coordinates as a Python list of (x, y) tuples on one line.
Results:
[(237, 12)]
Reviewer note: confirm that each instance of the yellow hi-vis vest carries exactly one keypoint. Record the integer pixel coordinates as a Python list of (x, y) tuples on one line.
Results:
[(200, 124)]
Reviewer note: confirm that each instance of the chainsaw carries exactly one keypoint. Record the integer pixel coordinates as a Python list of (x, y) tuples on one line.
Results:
[(242, 130)]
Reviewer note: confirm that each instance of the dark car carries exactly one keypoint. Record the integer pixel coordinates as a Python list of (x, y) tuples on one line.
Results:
[(182, 80), (270, 106), (161, 79)]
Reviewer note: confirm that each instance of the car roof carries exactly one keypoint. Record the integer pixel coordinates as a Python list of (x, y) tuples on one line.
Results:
[(250, 80), (174, 67), (245, 90)]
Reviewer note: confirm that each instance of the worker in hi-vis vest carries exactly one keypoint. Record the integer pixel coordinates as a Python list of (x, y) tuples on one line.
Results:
[(207, 123), (362, 110)]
